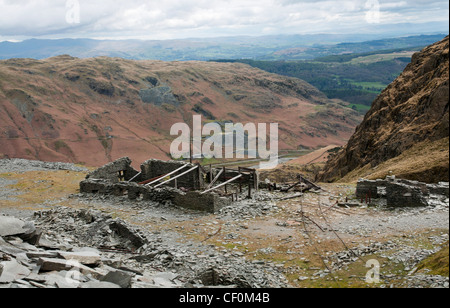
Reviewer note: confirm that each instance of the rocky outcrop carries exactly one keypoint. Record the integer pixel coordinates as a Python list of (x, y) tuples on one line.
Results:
[(413, 109), (158, 96)]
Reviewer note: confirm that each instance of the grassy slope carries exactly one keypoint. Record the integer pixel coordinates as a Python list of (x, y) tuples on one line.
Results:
[(437, 264), (418, 163)]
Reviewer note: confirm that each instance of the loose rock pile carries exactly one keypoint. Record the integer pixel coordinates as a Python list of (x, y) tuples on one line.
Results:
[(67, 248), (262, 203), (342, 259)]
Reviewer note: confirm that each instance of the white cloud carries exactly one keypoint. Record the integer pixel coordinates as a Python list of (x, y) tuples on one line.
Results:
[(187, 18)]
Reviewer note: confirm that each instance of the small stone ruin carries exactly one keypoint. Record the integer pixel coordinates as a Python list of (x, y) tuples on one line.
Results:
[(403, 193)]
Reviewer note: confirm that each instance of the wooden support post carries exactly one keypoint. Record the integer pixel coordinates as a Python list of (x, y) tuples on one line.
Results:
[(210, 174), (240, 181), (225, 179), (191, 149), (199, 177), (215, 179)]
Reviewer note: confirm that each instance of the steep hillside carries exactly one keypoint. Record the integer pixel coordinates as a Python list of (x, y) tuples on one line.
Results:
[(410, 116), (96, 110)]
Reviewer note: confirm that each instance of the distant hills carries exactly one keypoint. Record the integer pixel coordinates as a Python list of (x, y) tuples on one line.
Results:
[(281, 47)]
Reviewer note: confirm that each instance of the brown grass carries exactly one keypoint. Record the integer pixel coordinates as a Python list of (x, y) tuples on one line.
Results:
[(437, 263), (427, 162), (41, 187)]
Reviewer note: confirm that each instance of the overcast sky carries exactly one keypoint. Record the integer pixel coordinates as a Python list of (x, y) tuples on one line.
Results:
[(169, 19)]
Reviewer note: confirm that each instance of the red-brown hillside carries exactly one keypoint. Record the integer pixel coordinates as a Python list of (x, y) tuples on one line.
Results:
[(96, 110)]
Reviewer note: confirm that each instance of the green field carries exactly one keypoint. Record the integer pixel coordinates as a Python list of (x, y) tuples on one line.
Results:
[(360, 108)]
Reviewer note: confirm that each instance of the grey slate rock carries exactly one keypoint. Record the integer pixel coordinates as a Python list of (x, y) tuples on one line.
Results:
[(120, 278), (84, 257), (12, 271), (7, 248), (11, 226), (50, 265), (99, 285)]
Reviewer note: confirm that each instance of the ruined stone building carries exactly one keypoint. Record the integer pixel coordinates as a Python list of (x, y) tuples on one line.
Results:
[(181, 183)]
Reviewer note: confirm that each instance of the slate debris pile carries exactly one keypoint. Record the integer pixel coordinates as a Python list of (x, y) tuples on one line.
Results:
[(91, 228), (33, 258), (342, 259), (68, 248), (261, 204)]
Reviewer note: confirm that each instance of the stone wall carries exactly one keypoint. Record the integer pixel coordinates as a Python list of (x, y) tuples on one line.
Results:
[(93, 186), (439, 189), (154, 168), (367, 188), (110, 172), (210, 203), (404, 195), (401, 193)]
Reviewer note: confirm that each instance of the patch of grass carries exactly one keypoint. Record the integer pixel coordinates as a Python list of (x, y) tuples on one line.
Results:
[(360, 108), (105, 143), (437, 264), (60, 145), (354, 276), (169, 108), (427, 161), (40, 187), (371, 85)]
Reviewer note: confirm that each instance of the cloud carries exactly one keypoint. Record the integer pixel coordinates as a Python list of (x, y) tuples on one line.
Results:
[(186, 18)]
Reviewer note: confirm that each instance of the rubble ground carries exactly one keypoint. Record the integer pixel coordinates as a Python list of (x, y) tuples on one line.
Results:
[(307, 241)]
